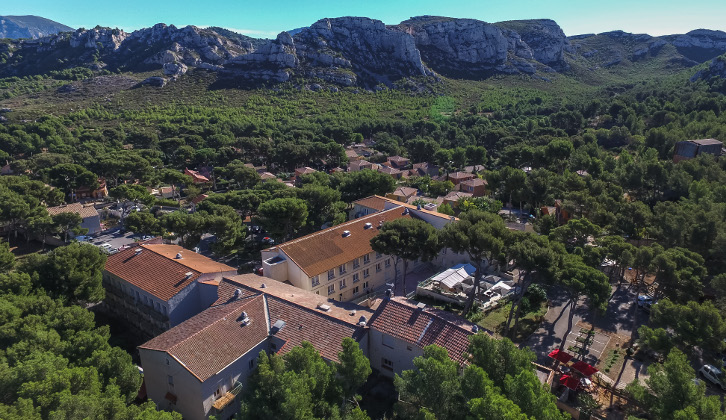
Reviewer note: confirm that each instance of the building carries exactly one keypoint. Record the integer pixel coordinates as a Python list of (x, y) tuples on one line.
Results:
[(424, 169), (155, 286), (303, 171), (339, 262), (87, 192), (368, 205), (359, 165), (7, 169), (477, 187), (395, 173), (453, 198), (90, 219), (197, 177), (689, 149), (403, 194), (399, 162), (457, 177), (399, 330), (199, 367)]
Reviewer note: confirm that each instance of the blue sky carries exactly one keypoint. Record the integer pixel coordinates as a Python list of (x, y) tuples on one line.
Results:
[(265, 18)]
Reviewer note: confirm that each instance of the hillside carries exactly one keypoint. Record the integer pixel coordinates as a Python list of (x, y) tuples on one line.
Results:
[(33, 27), (363, 52)]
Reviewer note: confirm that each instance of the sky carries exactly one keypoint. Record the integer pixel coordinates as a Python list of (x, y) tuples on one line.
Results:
[(265, 18)]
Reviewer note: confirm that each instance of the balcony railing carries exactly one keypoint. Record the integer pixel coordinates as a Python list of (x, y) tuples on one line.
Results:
[(227, 398)]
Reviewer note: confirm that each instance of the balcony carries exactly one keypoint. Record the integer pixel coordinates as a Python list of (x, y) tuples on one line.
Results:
[(227, 398)]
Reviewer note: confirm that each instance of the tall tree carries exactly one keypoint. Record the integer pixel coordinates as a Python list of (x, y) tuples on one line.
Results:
[(407, 240), (481, 235), (67, 222), (365, 183), (282, 217), (70, 177)]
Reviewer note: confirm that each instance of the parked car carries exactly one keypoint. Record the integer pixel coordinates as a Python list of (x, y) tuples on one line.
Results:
[(644, 300), (82, 238), (147, 237), (267, 240), (713, 375)]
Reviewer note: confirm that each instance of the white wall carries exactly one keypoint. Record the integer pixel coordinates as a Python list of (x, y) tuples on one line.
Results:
[(187, 388), (399, 354)]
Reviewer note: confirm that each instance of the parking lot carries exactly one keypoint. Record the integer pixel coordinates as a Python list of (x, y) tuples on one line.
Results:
[(114, 238)]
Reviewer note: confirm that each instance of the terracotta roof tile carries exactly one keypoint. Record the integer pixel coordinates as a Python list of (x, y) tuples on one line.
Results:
[(208, 342), (325, 333), (474, 182), (324, 250), (78, 208), (461, 175), (156, 271), (421, 328), (373, 202)]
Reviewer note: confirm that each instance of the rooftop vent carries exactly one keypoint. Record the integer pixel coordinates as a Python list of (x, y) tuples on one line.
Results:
[(178, 256), (263, 285), (346, 233), (368, 226), (352, 312), (237, 293), (323, 307), (137, 251), (362, 321), (188, 274), (380, 224), (389, 293), (475, 328), (405, 211), (277, 326), (421, 306), (245, 318)]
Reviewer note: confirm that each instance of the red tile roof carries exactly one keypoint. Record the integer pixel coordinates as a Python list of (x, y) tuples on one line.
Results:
[(156, 270), (324, 250), (421, 328), (324, 332), (461, 175), (373, 202), (78, 208), (208, 342), (196, 176)]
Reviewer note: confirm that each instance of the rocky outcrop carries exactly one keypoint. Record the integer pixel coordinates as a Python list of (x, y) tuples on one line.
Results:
[(98, 38), (469, 47), (716, 68)]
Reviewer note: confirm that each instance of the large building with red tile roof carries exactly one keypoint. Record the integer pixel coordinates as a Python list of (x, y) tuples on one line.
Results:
[(153, 287), (339, 262), (199, 367), (90, 219)]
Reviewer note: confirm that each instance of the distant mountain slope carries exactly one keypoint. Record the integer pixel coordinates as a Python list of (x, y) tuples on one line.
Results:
[(359, 51), (15, 27)]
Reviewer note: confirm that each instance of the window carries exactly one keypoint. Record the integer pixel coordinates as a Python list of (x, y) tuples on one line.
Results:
[(356, 263), (170, 379), (218, 392), (163, 309), (378, 267), (251, 364), (378, 255), (167, 362), (341, 269), (331, 289), (366, 273), (388, 262), (273, 346), (342, 284), (365, 284), (386, 364), (331, 274), (356, 278), (355, 290), (315, 281), (387, 340), (366, 259), (409, 348)]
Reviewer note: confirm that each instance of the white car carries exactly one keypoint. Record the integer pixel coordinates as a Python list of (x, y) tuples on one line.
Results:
[(714, 375)]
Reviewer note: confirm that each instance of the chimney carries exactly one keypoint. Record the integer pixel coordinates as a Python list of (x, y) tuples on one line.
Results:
[(137, 251), (189, 274), (237, 293), (362, 321), (245, 318)]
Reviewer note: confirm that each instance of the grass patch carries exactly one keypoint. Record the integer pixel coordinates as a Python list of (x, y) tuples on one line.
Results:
[(496, 319)]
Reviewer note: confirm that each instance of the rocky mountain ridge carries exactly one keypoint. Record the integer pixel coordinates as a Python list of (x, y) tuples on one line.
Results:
[(357, 51)]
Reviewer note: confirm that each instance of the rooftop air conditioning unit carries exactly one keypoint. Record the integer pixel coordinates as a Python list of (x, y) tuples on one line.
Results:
[(324, 307)]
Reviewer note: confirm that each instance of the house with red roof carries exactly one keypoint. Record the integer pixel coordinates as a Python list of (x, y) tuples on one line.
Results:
[(197, 177), (199, 367), (153, 287)]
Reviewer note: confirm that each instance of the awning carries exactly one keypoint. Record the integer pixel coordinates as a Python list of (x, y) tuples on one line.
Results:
[(560, 355), (569, 382), (584, 368)]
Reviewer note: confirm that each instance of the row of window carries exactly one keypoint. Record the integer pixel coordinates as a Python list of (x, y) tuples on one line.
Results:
[(342, 269), (315, 281), (138, 297), (342, 285)]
